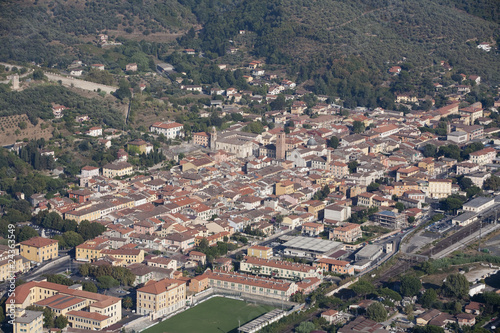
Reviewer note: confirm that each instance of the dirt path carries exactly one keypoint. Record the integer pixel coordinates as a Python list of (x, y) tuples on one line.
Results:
[(360, 16), (82, 84)]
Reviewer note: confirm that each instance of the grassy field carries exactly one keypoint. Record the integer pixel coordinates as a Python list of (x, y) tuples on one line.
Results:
[(213, 316)]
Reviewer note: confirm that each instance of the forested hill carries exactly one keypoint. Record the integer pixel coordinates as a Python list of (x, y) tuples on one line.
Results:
[(378, 31), (304, 33)]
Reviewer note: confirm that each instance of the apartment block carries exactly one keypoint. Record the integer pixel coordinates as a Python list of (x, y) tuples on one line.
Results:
[(439, 188), (277, 268), (258, 251), (28, 322), (347, 233), (335, 266), (160, 298), (250, 284), (40, 249)]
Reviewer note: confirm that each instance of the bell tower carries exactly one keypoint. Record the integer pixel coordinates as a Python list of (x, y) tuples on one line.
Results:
[(281, 146), (213, 138)]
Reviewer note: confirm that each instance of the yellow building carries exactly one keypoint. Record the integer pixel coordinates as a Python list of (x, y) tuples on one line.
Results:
[(13, 266), (197, 164), (140, 145), (88, 320), (39, 249), (129, 256), (439, 188), (29, 322), (96, 211), (314, 207), (284, 187), (118, 169), (91, 249), (259, 251), (62, 304), (160, 298), (347, 233), (64, 299)]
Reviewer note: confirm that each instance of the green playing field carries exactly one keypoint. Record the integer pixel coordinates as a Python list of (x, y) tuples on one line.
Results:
[(216, 315)]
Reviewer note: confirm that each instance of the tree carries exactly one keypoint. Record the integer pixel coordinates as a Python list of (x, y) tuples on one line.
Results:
[(429, 150), (333, 142), (452, 203), (465, 183), (48, 318), (492, 183), (72, 239), (399, 206), (106, 282), (89, 286), (363, 288), (456, 286), (372, 187), (254, 127), (377, 312), (26, 233), (61, 322), (90, 230), (84, 269), (352, 166), (410, 285), (279, 103), (358, 126), (124, 90), (390, 294), (38, 74), (428, 298), (298, 297), (427, 267), (128, 303), (305, 327)]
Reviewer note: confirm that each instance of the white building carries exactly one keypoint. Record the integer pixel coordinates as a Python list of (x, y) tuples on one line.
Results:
[(95, 131), (89, 172), (476, 289), (458, 137), (483, 156), (484, 46), (337, 213), (171, 130), (478, 204)]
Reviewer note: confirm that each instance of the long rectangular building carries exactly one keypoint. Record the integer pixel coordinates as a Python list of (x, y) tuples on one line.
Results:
[(278, 268), (64, 299), (250, 284)]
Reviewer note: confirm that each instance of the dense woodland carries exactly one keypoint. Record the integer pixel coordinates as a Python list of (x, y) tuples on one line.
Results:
[(292, 33)]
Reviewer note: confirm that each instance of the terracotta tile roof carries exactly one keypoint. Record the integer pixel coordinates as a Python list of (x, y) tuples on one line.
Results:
[(333, 262), (39, 242), (87, 315), (279, 264), (158, 287)]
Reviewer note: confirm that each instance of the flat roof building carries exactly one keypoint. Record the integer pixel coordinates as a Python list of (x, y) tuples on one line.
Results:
[(312, 248)]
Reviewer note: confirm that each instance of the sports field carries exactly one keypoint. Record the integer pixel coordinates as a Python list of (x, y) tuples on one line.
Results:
[(217, 315)]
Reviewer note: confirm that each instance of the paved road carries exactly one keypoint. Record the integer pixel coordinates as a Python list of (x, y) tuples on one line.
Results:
[(78, 83)]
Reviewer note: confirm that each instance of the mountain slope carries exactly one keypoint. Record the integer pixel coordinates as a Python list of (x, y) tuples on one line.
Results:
[(378, 31), (289, 32)]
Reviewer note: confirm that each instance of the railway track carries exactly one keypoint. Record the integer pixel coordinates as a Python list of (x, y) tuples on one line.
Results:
[(406, 261), (452, 239)]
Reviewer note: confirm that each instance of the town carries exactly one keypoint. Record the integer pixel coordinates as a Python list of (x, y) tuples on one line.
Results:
[(306, 213)]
